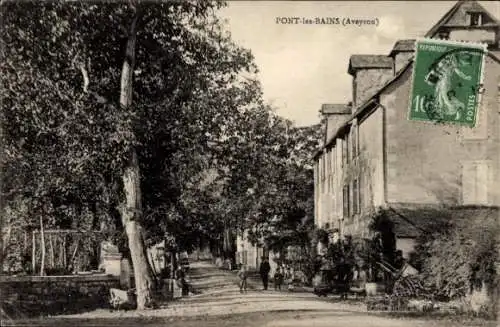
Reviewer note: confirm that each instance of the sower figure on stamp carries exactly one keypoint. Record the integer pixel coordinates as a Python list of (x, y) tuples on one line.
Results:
[(442, 77), (264, 270)]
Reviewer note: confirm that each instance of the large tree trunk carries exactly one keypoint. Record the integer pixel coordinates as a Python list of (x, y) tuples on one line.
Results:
[(132, 208)]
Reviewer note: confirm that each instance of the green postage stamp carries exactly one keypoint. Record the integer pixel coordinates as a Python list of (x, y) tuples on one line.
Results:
[(447, 77)]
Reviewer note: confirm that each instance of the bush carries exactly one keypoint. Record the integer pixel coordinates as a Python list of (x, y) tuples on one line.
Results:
[(457, 259)]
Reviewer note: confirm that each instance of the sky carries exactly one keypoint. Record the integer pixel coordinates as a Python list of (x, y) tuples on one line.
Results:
[(301, 66)]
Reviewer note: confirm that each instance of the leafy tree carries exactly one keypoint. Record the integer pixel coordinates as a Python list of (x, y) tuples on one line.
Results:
[(287, 195), (115, 107)]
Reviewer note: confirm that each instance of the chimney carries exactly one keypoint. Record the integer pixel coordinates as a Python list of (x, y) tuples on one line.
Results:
[(334, 115), (369, 73), (402, 53)]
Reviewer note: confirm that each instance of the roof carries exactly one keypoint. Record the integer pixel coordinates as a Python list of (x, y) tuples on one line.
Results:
[(460, 16), (457, 16), (368, 61), (364, 108), (368, 105), (411, 220), (403, 46), (329, 108), (364, 60)]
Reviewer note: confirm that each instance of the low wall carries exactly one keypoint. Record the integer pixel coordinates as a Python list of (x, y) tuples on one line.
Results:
[(50, 295)]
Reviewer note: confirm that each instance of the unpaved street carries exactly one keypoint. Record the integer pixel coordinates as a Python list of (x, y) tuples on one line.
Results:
[(221, 304)]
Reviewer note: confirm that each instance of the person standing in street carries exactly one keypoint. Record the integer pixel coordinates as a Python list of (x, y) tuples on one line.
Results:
[(180, 277), (289, 278), (278, 279), (243, 275), (264, 270)]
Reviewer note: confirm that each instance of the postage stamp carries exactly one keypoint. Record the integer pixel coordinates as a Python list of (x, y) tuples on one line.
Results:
[(447, 77)]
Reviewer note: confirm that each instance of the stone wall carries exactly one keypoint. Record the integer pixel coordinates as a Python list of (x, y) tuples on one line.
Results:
[(50, 295)]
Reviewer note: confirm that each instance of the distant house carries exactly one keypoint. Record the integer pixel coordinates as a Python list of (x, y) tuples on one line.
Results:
[(374, 157), (247, 253)]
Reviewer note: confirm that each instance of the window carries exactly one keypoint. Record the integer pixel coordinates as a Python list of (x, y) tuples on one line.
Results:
[(334, 161), (361, 197), (345, 150), (444, 35), (327, 170), (475, 19), (332, 170), (475, 182), (316, 173), (355, 196), (354, 141), (354, 89), (322, 173), (345, 199)]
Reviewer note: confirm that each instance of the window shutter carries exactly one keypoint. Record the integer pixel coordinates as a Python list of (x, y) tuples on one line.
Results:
[(332, 170), (354, 138), (482, 183), (475, 179), (468, 183), (361, 197), (345, 199), (355, 197)]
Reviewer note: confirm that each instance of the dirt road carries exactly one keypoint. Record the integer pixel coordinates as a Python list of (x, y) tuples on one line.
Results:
[(220, 304)]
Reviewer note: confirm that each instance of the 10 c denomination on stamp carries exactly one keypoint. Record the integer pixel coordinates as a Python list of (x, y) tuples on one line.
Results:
[(447, 77)]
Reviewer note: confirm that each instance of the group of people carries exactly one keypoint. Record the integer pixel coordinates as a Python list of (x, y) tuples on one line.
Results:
[(281, 276)]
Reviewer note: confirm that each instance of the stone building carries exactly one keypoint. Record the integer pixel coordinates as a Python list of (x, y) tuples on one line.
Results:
[(374, 158), (251, 254)]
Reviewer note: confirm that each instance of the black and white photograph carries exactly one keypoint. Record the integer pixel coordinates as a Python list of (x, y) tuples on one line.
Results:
[(235, 163)]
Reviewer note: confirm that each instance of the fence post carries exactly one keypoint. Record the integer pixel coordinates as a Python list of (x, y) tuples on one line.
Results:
[(33, 251)]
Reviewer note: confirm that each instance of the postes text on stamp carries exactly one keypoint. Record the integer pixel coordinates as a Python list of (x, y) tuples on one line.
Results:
[(446, 81)]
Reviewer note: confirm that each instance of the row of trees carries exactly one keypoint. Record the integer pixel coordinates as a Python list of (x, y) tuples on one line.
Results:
[(147, 120)]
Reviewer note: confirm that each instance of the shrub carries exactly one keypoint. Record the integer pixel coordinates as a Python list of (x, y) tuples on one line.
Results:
[(457, 259)]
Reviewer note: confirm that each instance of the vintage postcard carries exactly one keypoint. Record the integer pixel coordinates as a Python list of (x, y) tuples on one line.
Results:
[(250, 163)]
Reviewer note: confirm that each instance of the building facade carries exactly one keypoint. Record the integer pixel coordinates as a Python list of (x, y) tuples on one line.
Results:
[(251, 255), (374, 157)]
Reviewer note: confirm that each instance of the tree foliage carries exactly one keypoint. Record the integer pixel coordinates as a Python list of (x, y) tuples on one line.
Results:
[(211, 152), (67, 138)]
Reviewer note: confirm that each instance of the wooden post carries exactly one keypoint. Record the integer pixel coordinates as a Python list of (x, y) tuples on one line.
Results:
[(65, 258), (172, 270), (61, 252), (25, 242), (52, 255), (165, 255), (173, 263), (33, 251), (42, 242)]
